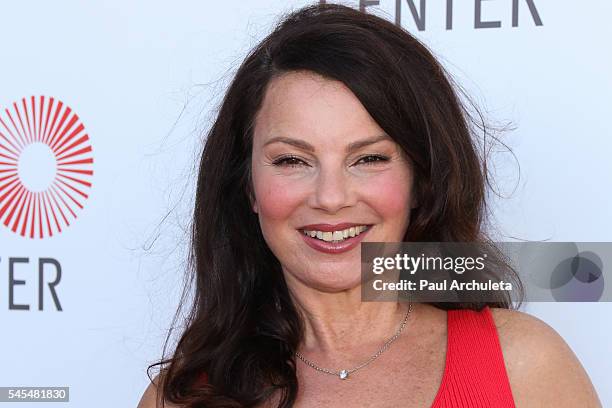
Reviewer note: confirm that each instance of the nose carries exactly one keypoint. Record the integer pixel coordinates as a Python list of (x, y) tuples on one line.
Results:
[(333, 189)]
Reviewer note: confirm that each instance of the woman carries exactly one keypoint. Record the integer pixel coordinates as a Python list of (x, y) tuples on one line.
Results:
[(340, 126)]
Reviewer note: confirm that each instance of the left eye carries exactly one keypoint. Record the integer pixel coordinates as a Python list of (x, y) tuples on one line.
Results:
[(376, 157), (292, 161)]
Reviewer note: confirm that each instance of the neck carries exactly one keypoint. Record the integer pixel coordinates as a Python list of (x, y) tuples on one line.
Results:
[(340, 322)]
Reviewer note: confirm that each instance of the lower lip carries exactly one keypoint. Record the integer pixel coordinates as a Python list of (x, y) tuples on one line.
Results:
[(334, 248)]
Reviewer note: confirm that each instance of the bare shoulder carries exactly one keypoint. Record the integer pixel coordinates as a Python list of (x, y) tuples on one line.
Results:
[(152, 399), (542, 368)]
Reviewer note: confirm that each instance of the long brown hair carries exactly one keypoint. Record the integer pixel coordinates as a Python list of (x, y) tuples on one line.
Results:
[(242, 329)]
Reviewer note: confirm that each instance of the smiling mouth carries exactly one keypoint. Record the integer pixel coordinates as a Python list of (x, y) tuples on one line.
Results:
[(336, 236)]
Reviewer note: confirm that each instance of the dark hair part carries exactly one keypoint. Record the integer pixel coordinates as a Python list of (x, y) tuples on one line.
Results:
[(234, 332)]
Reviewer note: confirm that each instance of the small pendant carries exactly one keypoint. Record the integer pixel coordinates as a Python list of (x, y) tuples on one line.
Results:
[(343, 374)]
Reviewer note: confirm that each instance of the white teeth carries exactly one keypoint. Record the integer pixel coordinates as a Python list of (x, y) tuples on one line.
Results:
[(336, 235)]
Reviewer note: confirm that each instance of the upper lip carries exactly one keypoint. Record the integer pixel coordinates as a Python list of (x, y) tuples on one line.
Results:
[(330, 227)]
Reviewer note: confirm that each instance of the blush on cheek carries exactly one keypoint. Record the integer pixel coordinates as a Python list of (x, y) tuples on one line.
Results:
[(391, 195), (276, 201)]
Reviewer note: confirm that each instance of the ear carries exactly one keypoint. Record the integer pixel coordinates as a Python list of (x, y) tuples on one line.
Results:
[(250, 194), (414, 202), (253, 202)]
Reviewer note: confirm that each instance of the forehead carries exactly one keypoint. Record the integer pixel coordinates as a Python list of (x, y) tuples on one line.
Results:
[(306, 105)]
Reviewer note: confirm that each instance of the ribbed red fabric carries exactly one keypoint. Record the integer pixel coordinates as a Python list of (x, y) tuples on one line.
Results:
[(475, 374)]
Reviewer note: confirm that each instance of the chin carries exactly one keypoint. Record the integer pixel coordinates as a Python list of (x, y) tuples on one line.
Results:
[(333, 283)]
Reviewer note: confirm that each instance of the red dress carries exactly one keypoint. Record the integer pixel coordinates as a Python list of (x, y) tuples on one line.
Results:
[(474, 374)]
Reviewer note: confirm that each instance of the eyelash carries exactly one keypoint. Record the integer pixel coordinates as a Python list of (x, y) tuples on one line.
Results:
[(283, 160)]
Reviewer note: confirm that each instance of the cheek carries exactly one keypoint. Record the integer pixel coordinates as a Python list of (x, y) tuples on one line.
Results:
[(275, 200), (391, 195)]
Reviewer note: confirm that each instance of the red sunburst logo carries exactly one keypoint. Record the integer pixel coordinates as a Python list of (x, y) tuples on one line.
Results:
[(45, 166)]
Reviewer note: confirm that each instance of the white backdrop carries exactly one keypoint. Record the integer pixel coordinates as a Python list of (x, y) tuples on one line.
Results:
[(143, 78)]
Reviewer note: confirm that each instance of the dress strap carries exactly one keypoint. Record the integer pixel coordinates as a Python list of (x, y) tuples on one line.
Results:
[(475, 373)]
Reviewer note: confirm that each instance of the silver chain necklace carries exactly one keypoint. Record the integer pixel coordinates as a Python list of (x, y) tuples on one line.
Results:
[(343, 374)]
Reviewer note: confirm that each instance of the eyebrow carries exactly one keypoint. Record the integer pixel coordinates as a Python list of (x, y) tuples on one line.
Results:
[(301, 144)]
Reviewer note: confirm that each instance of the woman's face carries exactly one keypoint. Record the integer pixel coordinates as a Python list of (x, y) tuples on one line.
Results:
[(324, 182)]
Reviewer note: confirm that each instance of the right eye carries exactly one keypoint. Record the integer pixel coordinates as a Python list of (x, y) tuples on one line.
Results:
[(288, 161)]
